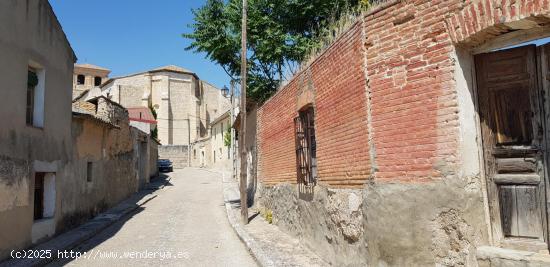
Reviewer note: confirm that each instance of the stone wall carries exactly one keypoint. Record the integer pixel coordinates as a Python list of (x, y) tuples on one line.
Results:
[(177, 154), (400, 180), (112, 112), (182, 110), (130, 96)]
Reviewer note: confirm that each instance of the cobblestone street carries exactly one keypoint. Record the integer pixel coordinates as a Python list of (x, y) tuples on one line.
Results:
[(185, 225)]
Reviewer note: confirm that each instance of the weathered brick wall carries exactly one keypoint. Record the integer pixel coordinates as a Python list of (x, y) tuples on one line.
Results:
[(337, 81), (407, 126), (405, 50), (414, 107)]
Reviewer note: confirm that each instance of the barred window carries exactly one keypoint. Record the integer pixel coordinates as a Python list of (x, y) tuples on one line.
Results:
[(306, 148)]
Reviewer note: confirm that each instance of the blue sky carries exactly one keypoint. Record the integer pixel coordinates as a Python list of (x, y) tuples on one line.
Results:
[(130, 36)]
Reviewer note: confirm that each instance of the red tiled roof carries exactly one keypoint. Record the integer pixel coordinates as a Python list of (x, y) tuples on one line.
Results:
[(142, 114)]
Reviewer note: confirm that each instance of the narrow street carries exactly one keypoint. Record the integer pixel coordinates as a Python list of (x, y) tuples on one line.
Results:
[(185, 225)]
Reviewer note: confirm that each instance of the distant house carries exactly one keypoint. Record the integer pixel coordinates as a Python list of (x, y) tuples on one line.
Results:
[(220, 151), (142, 118)]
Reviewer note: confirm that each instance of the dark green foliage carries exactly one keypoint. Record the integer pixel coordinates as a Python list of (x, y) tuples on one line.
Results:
[(227, 137), (281, 33), (154, 132)]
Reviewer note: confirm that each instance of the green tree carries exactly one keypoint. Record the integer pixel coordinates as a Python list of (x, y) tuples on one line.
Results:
[(280, 34), (227, 137)]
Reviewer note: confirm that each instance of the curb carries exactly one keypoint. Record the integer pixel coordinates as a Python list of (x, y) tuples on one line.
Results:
[(71, 239), (257, 252)]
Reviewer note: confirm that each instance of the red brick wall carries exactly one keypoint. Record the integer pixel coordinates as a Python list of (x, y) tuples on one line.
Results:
[(414, 107), (341, 127), (407, 49), (341, 113), (275, 133)]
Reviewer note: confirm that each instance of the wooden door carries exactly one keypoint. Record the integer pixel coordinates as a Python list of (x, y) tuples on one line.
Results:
[(511, 112)]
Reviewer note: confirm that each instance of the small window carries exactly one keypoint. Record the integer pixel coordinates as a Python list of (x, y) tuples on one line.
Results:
[(89, 171), (97, 81), (39, 195), (306, 147), (80, 79), (194, 153), (214, 156), (221, 152)]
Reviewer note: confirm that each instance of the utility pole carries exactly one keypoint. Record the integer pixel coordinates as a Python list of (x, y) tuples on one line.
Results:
[(242, 135)]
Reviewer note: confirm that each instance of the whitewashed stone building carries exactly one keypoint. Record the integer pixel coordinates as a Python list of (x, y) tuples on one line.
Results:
[(88, 76), (184, 104)]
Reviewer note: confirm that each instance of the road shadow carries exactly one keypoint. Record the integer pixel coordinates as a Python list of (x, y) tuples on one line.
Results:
[(236, 203), (159, 182), (134, 203)]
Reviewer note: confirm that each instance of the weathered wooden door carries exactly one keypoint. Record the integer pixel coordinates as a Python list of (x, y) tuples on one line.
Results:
[(513, 132)]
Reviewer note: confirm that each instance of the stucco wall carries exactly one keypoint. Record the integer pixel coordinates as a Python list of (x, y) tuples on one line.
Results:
[(114, 174), (30, 34)]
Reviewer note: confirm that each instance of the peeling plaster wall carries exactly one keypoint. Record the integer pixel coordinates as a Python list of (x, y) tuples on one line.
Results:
[(30, 33), (114, 173)]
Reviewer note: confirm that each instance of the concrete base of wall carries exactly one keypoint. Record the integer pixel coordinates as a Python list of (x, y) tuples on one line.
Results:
[(440, 223), (43, 229), (493, 256)]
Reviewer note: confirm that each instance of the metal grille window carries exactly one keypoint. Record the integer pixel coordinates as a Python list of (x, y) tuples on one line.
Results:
[(306, 148)]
